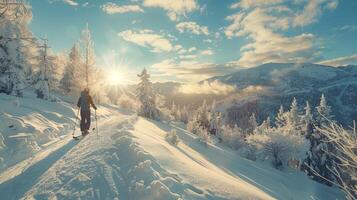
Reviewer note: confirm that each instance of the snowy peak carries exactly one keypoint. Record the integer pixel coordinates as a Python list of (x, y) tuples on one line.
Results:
[(271, 74), (272, 84)]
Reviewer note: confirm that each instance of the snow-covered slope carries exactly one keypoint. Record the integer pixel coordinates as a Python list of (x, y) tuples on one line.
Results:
[(130, 159), (28, 125)]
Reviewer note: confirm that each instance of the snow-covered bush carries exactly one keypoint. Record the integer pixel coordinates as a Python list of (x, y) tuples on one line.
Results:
[(126, 102), (172, 137), (232, 137), (203, 135), (249, 152), (193, 126), (344, 157), (278, 147)]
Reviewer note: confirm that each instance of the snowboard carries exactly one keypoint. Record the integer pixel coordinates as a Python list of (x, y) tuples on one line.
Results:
[(79, 137)]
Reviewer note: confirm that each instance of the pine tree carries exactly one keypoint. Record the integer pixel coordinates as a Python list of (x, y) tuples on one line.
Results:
[(318, 159), (178, 113), (293, 116), (253, 123), (215, 123), (47, 73), (88, 56), (69, 80), (280, 119), (203, 115), (307, 120), (293, 125), (15, 53), (173, 111), (146, 97), (213, 106), (323, 112), (184, 115)]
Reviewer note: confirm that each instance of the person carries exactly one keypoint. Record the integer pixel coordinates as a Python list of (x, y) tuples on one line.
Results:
[(84, 103)]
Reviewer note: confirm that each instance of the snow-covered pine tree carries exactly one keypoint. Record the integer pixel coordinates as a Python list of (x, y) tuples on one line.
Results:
[(146, 97), (318, 160), (253, 124), (204, 115), (184, 115), (307, 120), (88, 56), (280, 119), (293, 116), (72, 80), (178, 113), (344, 142), (213, 106), (263, 127), (49, 72), (293, 120), (215, 123), (173, 111), (200, 120), (323, 115), (15, 52)]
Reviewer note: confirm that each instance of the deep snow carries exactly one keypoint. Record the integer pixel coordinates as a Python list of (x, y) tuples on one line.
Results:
[(131, 159)]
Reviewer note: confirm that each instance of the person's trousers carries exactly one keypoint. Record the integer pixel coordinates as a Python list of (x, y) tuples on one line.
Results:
[(85, 120)]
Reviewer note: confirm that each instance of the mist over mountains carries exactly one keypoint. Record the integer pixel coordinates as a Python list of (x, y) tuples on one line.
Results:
[(264, 88)]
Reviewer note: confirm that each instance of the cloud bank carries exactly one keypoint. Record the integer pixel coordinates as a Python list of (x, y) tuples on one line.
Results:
[(264, 23), (215, 87)]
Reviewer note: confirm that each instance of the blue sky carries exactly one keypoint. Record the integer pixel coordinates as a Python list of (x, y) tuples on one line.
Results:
[(190, 40)]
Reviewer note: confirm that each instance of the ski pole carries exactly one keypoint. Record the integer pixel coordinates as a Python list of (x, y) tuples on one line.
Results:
[(75, 123), (96, 121)]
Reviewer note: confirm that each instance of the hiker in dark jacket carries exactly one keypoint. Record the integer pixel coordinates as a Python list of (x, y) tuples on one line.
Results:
[(84, 102)]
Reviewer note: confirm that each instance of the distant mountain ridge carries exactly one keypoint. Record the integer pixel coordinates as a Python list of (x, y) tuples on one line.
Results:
[(264, 88)]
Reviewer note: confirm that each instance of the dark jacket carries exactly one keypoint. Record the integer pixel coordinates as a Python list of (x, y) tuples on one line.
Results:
[(85, 101)]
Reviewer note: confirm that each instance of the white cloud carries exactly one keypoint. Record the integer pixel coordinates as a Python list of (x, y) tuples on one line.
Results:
[(266, 44), (192, 49), (189, 70), (188, 57), (71, 2), (112, 8), (341, 61), (148, 38), (245, 4), (208, 52), (206, 87), (192, 27), (174, 8), (312, 10), (346, 28), (332, 5), (263, 23)]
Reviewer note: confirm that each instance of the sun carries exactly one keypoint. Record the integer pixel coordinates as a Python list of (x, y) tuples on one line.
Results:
[(115, 77)]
